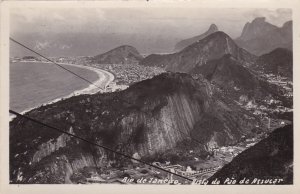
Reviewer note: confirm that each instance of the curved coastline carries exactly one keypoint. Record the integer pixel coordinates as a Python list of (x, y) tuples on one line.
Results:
[(104, 79)]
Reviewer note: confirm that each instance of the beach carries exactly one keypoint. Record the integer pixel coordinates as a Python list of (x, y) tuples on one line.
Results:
[(103, 79)]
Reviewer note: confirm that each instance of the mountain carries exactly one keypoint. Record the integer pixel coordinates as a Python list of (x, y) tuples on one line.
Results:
[(184, 43), (271, 158), (277, 62), (212, 47), (121, 55), (234, 80), (228, 73), (154, 116), (260, 37), (258, 27)]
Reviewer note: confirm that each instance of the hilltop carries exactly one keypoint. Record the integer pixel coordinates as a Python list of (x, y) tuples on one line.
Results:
[(121, 55)]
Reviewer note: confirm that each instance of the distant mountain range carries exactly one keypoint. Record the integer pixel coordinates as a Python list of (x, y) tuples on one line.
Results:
[(260, 37), (184, 43), (271, 158), (199, 53), (121, 55)]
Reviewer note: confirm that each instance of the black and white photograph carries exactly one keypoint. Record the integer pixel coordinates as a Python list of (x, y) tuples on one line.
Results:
[(152, 94)]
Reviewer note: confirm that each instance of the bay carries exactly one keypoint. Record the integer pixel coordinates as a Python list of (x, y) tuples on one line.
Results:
[(33, 83)]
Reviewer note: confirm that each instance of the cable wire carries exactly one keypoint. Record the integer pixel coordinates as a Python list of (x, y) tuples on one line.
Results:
[(95, 144), (17, 42), (53, 62)]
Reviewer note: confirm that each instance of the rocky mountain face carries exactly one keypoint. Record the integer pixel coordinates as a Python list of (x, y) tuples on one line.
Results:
[(212, 47), (260, 37), (184, 43), (121, 55), (271, 158), (277, 62), (236, 81), (150, 117), (258, 27), (228, 71), (230, 75)]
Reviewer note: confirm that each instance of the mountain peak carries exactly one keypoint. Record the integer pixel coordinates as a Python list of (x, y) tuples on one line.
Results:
[(213, 28), (216, 36), (123, 54), (287, 24), (257, 27), (184, 43), (259, 36), (219, 34), (259, 20)]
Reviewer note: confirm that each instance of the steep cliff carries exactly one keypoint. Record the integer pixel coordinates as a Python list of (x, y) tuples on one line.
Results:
[(150, 117), (260, 37), (258, 27), (199, 53)]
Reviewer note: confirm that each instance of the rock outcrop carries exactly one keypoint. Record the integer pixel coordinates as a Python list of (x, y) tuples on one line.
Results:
[(260, 37), (150, 117)]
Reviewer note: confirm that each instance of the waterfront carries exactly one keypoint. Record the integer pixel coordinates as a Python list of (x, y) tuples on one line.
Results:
[(36, 83)]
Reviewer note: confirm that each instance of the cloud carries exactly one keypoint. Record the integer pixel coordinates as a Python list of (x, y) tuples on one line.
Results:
[(276, 17)]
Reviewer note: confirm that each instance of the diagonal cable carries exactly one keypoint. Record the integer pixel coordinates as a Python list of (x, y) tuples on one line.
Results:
[(95, 144), (21, 44), (17, 42)]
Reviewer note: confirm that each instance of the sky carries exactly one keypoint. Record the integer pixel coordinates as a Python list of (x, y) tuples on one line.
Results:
[(150, 29)]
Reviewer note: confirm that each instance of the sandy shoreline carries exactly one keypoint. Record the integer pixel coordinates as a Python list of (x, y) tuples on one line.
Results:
[(104, 79)]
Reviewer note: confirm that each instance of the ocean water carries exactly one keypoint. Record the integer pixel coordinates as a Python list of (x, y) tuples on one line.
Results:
[(32, 84)]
